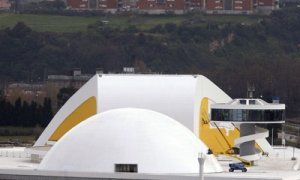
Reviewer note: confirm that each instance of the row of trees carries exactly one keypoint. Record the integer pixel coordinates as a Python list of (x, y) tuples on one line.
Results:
[(25, 114)]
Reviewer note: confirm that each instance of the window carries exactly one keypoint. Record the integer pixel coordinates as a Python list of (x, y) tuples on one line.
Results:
[(243, 101), (247, 115), (238, 2), (251, 101), (160, 1), (132, 168)]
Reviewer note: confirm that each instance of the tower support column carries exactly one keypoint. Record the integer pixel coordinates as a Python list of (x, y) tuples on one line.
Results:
[(247, 148)]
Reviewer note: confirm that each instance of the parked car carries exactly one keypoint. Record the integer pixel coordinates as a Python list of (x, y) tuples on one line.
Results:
[(237, 166)]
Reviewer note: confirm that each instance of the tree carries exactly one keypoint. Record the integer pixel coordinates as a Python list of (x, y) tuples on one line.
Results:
[(47, 112), (20, 30), (17, 120), (64, 94)]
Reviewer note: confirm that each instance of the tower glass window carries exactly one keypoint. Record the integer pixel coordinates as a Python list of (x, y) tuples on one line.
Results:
[(242, 115)]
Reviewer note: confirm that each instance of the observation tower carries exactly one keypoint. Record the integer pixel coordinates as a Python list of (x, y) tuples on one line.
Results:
[(245, 114)]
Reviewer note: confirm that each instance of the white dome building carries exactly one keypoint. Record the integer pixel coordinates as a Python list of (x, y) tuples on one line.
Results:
[(129, 139)]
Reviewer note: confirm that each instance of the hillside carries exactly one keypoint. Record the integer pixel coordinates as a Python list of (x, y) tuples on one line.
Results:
[(230, 50), (54, 23)]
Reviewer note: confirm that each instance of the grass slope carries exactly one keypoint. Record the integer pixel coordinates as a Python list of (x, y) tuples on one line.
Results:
[(47, 22), (19, 134), (55, 23)]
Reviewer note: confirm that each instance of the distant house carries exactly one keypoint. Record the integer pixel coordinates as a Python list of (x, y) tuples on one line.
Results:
[(4, 4), (31, 1), (229, 6), (239, 6), (161, 6), (289, 3), (75, 80), (105, 5), (27, 91), (38, 91)]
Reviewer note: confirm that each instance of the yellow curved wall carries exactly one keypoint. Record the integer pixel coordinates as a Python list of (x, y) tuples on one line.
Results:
[(216, 139), (85, 110)]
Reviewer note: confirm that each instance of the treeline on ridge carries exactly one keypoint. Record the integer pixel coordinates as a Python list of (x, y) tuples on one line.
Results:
[(265, 53)]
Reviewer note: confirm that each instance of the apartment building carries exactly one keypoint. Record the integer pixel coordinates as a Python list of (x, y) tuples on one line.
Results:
[(239, 6), (266, 6), (194, 4), (105, 5), (161, 6), (4, 4), (229, 6), (177, 6)]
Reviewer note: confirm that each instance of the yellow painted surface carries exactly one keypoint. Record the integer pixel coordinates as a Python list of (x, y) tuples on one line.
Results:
[(87, 109), (215, 138)]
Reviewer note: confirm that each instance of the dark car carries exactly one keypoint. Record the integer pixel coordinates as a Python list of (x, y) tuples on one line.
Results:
[(237, 166)]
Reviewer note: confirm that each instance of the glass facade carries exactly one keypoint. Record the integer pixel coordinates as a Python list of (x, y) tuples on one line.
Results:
[(244, 115)]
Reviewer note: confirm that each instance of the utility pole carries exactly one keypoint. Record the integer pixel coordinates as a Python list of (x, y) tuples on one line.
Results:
[(272, 137), (250, 90), (293, 158)]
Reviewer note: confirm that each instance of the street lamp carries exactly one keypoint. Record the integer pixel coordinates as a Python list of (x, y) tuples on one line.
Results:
[(201, 160)]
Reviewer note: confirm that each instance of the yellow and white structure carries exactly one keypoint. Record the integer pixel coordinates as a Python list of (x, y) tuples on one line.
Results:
[(158, 126), (184, 98)]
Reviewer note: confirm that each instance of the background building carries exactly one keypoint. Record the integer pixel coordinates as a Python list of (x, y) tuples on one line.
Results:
[(266, 6), (106, 5), (26, 91), (161, 6), (289, 3), (76, 80), (177, 6), (4, 4), (240, 6)]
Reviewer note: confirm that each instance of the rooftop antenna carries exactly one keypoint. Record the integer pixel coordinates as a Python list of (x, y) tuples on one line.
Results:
[(250, 90)]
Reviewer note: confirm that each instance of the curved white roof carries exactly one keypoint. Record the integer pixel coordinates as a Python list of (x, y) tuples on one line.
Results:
[(177, 96), (153, 141)]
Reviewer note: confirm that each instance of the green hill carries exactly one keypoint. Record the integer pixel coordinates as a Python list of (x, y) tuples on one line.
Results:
[(47, 22), (54, 23)]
